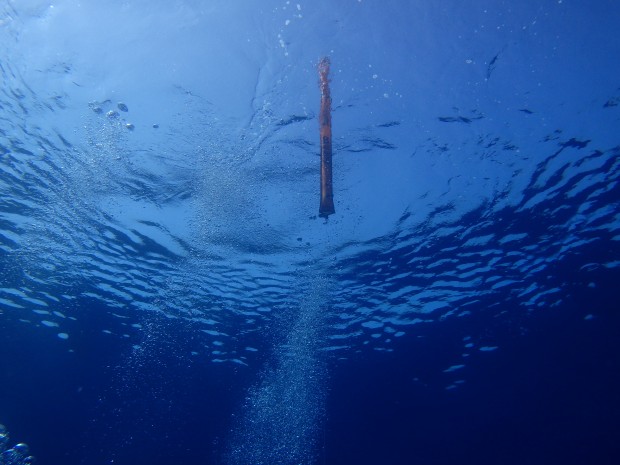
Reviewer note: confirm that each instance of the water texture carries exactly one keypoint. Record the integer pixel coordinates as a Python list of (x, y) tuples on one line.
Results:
[(159, 191)]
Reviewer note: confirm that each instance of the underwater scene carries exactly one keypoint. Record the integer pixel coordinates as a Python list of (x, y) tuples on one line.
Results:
[(309, 232)]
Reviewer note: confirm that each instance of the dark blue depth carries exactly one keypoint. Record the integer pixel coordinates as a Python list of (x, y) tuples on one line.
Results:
[(548, 395)]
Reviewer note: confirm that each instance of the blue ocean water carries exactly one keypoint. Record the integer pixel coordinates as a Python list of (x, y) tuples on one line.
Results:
[(169, 294)]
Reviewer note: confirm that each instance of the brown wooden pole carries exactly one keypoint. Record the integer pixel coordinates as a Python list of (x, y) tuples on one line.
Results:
[(325, 121)]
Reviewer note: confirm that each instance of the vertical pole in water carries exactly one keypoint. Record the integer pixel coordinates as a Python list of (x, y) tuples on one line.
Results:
[(325, 121)]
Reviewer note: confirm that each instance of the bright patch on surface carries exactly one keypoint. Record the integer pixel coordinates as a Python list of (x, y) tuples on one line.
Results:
[(372, 324), (453, 368)]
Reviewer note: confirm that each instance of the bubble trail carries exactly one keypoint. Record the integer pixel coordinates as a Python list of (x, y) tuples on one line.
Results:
[(284, 413)]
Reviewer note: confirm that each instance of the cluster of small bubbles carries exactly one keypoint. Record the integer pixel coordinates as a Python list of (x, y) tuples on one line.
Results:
[(19, 454), (112, 114), (283, 413), (295, 16)]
